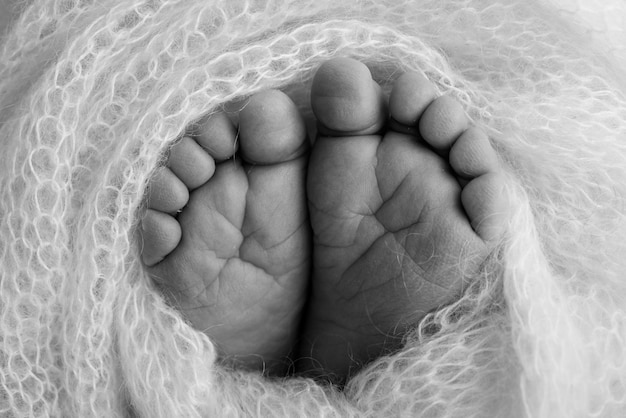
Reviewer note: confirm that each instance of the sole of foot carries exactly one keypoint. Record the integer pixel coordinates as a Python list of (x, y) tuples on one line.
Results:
[(405, 204), (226, 234)]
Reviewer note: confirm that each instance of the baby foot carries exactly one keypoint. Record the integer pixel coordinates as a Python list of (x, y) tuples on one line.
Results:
[(236, 260), (399, 220)]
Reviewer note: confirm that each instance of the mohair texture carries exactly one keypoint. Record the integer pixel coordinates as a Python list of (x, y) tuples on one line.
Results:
[(92, 94)]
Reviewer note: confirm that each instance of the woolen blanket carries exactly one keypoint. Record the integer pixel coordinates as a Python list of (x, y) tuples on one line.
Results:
[(92, 94)]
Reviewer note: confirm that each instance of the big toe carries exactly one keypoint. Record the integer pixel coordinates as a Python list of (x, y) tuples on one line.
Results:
[(346, 100), (271, 129)]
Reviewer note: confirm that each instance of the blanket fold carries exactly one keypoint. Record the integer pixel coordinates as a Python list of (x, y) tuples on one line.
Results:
[(92, 94)]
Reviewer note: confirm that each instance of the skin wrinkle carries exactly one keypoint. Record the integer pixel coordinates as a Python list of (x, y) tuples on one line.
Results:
[(278, 278), (313, 205), (359, 288), (208, 247), (254, 232), (251, 235), (376, 214)]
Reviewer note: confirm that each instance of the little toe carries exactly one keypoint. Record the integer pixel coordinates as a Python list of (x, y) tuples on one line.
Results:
[(217, 134), (485, 205), (472, 155), (477, 168), (191, 163), (160, 234), (271, 129), (442, 122), (166, 192), (346, 100), (410, 96)]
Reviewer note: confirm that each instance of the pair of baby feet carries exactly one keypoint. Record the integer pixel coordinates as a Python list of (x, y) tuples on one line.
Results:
[(326, 256)]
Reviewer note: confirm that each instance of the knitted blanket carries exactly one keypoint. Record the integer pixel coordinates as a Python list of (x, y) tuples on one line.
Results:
[(92, 93)]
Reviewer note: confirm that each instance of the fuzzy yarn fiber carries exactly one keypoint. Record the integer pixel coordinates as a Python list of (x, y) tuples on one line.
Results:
[(93, 92)]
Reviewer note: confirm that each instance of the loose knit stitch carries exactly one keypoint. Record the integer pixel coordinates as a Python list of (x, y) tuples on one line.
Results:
[(92, 94)]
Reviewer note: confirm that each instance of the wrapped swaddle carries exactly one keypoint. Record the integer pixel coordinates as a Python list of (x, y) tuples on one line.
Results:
[(92, 93)]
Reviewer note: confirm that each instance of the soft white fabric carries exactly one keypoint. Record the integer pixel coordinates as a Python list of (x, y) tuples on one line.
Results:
[(92, 93)]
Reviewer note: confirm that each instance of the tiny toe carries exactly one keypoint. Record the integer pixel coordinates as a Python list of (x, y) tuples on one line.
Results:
[(346, 100), (410, 96), (486, 205), (472, 155), (271, 129), (442, 123), (160, 234), (191, 163), (166, 192), (217, 134)]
